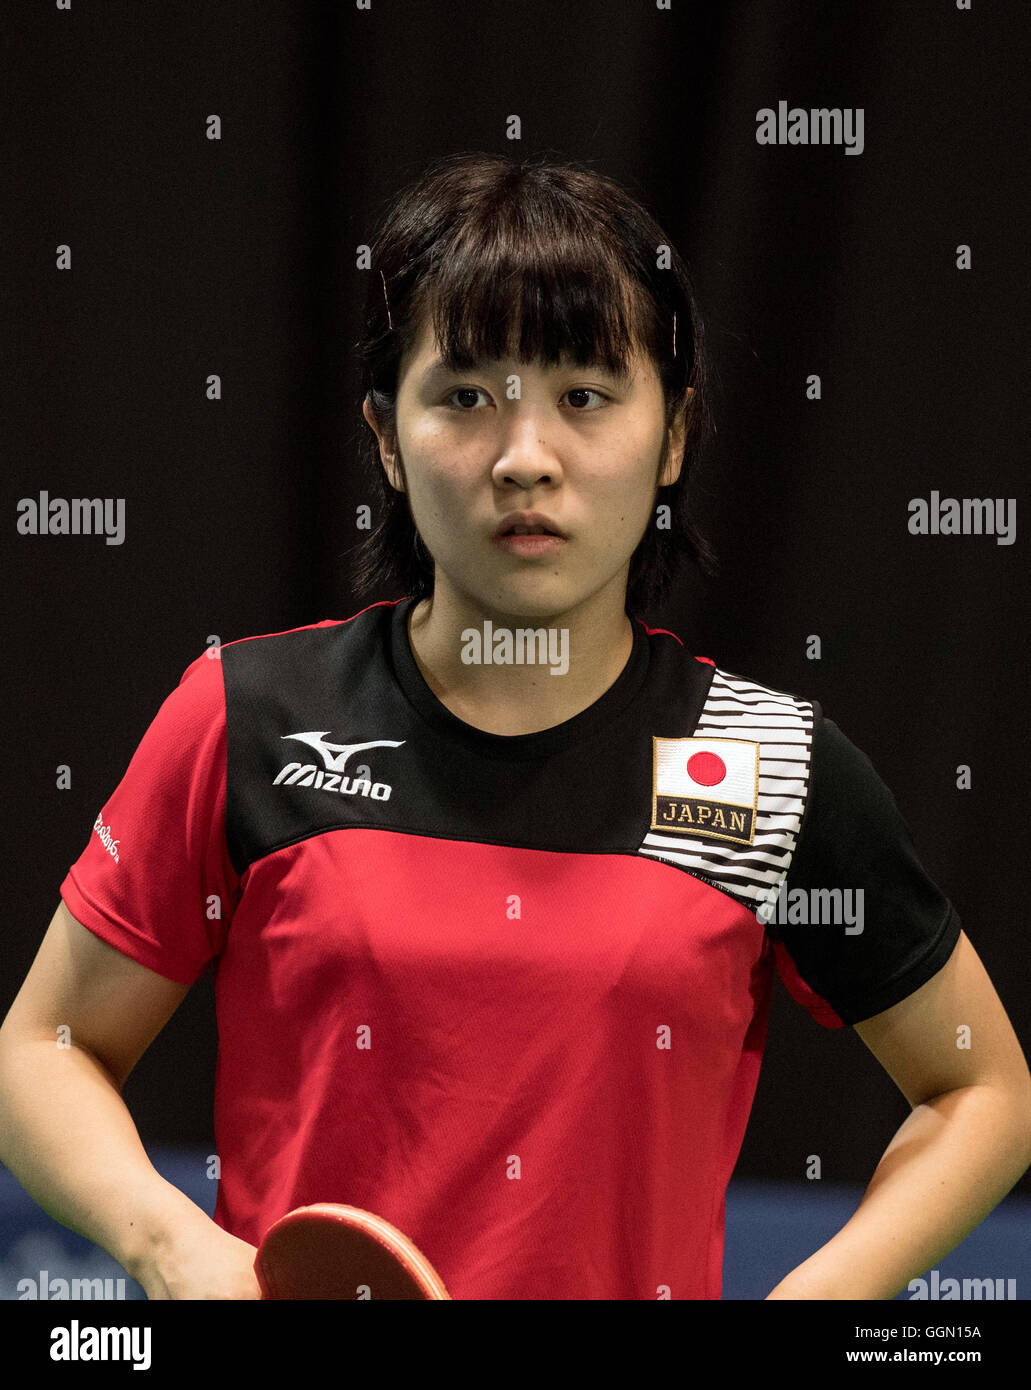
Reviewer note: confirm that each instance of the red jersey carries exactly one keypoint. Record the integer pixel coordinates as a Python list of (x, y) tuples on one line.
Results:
[(508, 992)]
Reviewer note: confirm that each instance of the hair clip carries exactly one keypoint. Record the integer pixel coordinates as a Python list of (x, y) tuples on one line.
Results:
[(674, 335), (386, 301)]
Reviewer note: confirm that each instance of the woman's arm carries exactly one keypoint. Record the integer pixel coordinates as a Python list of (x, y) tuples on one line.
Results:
[(82, 1019), (952, 1052)]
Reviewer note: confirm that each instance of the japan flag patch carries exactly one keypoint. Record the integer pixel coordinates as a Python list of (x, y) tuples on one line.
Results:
[(706, 788)]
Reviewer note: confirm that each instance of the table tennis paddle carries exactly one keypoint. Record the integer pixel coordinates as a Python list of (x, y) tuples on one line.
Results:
[(329, 1251)]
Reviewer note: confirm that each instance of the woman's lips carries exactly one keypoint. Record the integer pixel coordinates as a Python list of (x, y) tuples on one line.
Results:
[(529, 545)]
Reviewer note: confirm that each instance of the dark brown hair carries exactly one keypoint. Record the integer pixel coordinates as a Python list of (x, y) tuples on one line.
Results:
[(531, 259)]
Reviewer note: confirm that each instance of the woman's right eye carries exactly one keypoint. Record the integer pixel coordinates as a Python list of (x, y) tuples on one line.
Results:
[(465, 391)]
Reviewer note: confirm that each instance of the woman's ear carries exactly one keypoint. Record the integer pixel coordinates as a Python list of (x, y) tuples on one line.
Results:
[(677, 439), (387, 452)]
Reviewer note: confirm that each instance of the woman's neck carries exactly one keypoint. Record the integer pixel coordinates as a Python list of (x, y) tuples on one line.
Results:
[(587, 648)]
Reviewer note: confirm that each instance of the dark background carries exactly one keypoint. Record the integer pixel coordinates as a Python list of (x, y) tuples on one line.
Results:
[(237, 257)]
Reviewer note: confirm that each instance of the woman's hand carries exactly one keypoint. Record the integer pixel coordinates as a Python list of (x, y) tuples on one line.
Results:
[(200, 1260)]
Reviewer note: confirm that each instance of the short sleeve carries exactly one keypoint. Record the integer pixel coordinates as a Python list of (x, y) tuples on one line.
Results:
[(859, 925), (155, 880)]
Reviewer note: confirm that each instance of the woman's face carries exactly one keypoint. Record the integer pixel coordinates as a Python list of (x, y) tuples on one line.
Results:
[(574, 443)]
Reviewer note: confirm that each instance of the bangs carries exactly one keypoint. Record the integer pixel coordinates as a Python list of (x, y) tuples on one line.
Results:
[(548, 293)]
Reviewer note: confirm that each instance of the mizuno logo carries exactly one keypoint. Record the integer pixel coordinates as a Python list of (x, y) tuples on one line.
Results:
[(334, 756)]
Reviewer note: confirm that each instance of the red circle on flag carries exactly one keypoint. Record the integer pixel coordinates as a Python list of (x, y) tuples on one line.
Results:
[(706, 768)]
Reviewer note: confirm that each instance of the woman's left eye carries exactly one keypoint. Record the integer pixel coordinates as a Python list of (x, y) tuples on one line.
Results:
[(586, 391)]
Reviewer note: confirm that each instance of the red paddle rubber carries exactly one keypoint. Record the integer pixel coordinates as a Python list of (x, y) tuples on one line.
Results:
[(332, 1251)]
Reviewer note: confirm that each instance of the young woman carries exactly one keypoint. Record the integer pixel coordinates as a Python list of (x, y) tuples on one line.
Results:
[(495, 877)]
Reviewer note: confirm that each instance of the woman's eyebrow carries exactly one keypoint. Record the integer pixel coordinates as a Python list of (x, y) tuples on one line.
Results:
[(438, 367)]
